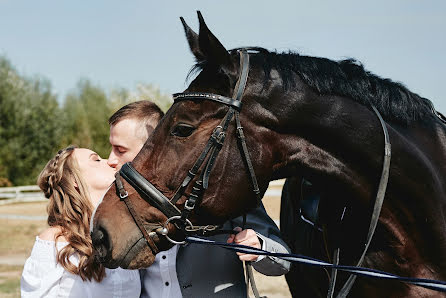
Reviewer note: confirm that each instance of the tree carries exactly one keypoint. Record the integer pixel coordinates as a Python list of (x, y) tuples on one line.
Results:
[(33, 126), (29, 125), (86, 111), (121, 97)]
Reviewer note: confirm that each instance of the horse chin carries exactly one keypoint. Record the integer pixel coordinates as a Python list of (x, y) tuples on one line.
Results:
[(138, 257)]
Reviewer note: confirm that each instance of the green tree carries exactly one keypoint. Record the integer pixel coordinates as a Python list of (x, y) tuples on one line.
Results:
[(33, 126), (29, 125), (121, 97), (86, 111)]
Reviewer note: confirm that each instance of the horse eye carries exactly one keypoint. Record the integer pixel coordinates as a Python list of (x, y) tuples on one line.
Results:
[(182, 130)]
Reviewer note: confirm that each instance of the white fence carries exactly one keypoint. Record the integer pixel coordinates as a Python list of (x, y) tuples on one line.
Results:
[(29, 193), (32, 193)]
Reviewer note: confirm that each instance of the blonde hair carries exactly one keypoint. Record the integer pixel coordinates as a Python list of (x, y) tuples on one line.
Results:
[(70, 208)]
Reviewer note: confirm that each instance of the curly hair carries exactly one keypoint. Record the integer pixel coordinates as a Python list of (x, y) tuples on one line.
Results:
[(70, 209)]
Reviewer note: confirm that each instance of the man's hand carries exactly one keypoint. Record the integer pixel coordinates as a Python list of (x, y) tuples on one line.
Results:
[(246, 237)]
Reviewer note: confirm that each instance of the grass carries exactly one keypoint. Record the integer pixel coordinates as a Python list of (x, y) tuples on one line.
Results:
[(10, 287), (17, 240), (10, 280), (33, 208), (18, 236)]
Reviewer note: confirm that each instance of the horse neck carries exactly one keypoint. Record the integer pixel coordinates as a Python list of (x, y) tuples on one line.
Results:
[(338, 144)]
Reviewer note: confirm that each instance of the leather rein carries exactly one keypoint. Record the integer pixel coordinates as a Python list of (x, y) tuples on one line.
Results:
[(179, 218)]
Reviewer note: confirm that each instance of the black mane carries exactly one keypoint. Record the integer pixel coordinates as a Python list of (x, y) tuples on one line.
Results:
[(349, 78), (346, 78)]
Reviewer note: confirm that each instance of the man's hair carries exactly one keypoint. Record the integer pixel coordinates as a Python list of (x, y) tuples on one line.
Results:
[(145, 111)]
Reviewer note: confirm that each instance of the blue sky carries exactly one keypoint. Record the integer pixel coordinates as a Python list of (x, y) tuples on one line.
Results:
[(121, 43)]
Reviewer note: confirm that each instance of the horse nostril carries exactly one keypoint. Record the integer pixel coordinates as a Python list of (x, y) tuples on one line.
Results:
[(100, 241)]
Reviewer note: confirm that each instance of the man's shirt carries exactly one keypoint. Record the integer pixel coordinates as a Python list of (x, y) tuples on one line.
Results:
[(160, 279)]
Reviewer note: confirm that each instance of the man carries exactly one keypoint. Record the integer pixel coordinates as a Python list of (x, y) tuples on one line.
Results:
[(194, 270)]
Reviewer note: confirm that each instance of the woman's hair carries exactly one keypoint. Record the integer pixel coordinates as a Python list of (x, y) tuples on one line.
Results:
[(70, 208)]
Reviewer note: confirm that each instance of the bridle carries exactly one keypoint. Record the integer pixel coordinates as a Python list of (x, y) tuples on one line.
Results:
[(206, 161)]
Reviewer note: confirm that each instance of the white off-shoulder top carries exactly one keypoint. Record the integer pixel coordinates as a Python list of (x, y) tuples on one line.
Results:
[(43, 277)]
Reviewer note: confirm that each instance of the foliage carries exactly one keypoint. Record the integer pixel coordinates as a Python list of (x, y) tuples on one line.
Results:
[(34, 125), (85, 118), (29, 125)]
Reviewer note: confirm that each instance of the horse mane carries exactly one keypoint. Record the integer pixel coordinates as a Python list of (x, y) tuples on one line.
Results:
[(346, 78)]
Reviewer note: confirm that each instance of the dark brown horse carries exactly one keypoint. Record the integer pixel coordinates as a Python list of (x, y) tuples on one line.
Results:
[(302, 117)]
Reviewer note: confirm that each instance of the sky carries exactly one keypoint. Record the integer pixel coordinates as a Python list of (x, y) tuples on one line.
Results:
[(122, 43)]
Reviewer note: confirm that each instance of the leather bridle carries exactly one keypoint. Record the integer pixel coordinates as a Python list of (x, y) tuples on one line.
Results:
[(205, 161), (179, 218)]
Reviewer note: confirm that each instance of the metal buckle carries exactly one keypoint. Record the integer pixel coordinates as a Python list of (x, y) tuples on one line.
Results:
[(165, 231), (189, 207), (123, 195)]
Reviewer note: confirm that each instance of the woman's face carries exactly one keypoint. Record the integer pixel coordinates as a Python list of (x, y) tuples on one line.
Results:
[(95, 171)]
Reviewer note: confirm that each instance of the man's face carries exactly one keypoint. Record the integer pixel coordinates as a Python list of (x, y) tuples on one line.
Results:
[(127, 138)]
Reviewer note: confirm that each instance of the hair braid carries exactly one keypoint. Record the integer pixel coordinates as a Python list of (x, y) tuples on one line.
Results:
[(70, 209)]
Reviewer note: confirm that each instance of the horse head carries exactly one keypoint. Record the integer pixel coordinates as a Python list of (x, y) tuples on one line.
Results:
[(301, 116)]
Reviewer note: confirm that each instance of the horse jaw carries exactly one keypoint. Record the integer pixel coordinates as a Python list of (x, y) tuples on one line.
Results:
[(138, 257)]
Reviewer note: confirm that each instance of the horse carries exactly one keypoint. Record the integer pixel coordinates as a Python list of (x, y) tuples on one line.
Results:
[(302, 117)]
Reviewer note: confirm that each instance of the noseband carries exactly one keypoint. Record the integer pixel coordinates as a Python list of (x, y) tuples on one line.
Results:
[(206, 161)]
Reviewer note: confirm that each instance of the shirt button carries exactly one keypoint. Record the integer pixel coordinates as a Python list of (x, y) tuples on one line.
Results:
[(166, 283), (164, 257)]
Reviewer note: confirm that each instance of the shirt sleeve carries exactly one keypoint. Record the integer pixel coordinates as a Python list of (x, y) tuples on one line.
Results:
[(265, 228), (43, 277)]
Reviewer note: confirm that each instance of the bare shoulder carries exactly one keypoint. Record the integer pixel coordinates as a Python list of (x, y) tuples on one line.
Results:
[(51, 233)]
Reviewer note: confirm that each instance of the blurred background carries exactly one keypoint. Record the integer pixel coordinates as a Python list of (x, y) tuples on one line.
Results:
[(66, 66)]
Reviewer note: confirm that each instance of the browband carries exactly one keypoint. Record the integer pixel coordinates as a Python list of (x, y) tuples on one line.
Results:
[(236, 104)]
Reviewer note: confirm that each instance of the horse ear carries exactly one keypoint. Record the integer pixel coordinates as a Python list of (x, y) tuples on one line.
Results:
[(192, 39), (210, 46)]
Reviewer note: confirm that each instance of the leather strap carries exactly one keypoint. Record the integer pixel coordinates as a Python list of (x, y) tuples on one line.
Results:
[(147, 191), (378, 203), (125, 197), (208, 96)]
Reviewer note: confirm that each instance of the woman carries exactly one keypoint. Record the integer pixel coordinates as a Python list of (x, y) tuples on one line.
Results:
[(62, 263)]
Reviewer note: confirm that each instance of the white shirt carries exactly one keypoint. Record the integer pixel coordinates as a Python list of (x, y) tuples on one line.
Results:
[(160, 279), (43, 277)]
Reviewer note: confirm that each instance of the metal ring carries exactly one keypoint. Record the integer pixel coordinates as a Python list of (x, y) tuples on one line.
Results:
[(165, 226)]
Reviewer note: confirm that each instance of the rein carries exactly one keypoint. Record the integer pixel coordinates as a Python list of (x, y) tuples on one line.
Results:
[(431, 284)]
